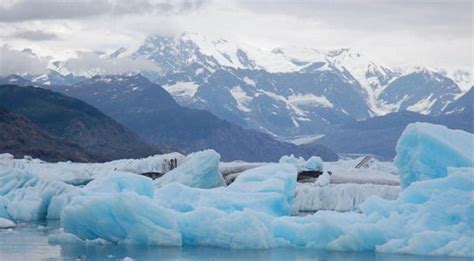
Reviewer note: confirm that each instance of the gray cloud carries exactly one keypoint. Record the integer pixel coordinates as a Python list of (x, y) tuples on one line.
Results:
[(20, 62), (445, 17), (95, 63), (35, 35), (24, 10)]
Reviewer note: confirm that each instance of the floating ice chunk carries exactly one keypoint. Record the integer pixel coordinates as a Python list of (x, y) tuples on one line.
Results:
[(119, 182), (212, 227), (6, 223), (71, 239), (121, 218), (64, 239), (323, 180), (392, 226), (433, 217), (29, 198), (292, 160), (199, 170), (313, 164), (425, 151), (268, 189), (279, 178)]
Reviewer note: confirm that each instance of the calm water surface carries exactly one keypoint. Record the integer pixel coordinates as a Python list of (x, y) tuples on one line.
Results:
[(29, 241)]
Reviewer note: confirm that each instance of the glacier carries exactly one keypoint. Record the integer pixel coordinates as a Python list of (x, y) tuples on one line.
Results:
[(430, 213)]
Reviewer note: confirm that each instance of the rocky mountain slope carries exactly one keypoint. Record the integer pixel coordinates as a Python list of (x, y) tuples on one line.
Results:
[(150, 111), (74, 121), (20, 137)]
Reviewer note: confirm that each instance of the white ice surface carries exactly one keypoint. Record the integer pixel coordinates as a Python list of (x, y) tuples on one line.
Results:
[(339, 197), (69, 171)]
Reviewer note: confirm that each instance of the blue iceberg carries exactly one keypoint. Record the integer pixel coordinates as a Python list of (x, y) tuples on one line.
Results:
[(425, 151), (432, 215), (268, 189), (199, 170), (27, 197)]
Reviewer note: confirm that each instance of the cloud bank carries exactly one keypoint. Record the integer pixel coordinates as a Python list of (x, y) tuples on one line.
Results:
[(20, 62), (94, 63), (25, 10)]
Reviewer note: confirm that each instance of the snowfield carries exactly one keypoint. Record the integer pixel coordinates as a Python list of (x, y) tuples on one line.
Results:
[(364, 209)]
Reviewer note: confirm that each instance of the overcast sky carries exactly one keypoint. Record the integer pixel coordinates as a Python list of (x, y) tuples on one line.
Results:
[(394, 32)]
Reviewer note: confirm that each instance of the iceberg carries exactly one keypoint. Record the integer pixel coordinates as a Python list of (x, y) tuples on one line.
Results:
[(389, 226), (121, 182), (199, 170), (269, 189), (425, 151), (431, 217), (126, 218), (339, 197), (323, 180), (312, 164), (27, 197)]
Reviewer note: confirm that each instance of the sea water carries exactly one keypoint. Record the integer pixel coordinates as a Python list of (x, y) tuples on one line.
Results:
[(29, 241)]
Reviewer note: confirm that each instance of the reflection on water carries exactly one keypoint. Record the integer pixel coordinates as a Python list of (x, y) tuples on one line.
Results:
[(30, 242)]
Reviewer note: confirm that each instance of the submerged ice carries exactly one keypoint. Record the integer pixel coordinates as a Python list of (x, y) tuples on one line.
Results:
[(431, 215)]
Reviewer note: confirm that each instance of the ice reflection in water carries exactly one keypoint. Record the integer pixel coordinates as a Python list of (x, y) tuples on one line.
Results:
[(29, 241)]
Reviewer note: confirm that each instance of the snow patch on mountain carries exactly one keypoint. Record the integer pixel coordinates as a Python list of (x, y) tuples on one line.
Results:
[(371, 76), (309, 100), (241, 98), (182, 91), (423, 106)]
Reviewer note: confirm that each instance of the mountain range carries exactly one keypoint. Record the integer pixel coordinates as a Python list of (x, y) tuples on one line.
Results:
[(284, 92), (287, 93), (151, 111), (379, 135)]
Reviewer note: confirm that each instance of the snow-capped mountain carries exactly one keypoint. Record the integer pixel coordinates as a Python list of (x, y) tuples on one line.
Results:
[(372, 77), (280, 91), (423, 91), (150, 111), (288, 91), (463, 78), (462, 105)]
